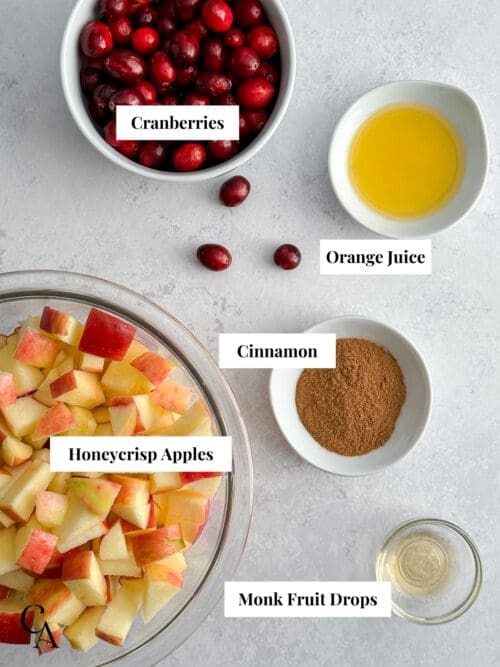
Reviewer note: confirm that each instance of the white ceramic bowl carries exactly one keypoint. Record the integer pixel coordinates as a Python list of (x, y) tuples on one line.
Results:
[(410, 425), (85, 11), (464, 114)]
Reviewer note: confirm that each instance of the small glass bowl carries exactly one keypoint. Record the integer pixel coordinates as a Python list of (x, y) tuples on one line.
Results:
[(459, 580)]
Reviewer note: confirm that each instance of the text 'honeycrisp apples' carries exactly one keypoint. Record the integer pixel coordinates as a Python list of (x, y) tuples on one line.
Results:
[(141, 454)]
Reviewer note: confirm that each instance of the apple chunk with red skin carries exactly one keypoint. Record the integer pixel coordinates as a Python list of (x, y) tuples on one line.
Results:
[(56, 420), (7, 389), (49, 642), (17, 501), (153, 366), (61, 325), (36, 349), (79, 388), (34, 548), (160, 585), (81, 574), (50, 508), (106, 336), (98, 495), (172, 396), (155, 545), (15, 452), (12, 630), (61, 605)]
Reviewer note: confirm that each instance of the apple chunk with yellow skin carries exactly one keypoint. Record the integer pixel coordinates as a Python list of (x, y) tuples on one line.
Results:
[(153, 366), (117, 620), (12, 630), (23, 415), (172, 396), (15, 452), (155, 545), (18, 499), (36, 349), (78, 388), (113, 545), (160, 585), (61, 605), (81, 574), (61, 325), (98, 495), (50, 508), (34, 548), (56, 420), (7, 389), (81, 633)]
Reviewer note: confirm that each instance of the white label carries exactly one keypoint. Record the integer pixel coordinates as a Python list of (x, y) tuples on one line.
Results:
[(307, 599), (178, 122), (140, 454), (380, 257), (309, 350)]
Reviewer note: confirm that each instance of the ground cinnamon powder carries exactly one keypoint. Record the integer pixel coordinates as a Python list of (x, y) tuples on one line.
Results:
[(353, 408)]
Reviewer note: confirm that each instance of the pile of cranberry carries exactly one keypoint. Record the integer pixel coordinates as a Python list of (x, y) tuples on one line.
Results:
[(180, 52)]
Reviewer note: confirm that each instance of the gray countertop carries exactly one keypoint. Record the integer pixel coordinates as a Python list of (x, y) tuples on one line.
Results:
[(63, 206)]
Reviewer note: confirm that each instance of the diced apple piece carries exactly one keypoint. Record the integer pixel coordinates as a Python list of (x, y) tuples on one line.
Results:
[(5, 478), (23, 415), (101, 414), (165, 481), (153, 366), (81, 574), (56, 420), (15, 452), (36, 349), (133, 491), (193, 419), (121, 379), (155, 545), (5, 590), (50, 508), (96, 494), (12, 630), (79, 526), (191, 531), (61, 605), (147, 411), (17, 580), (138, 515), (90, 362), (122, 567), (8, 550), (106, 336), (113, 545), (18, 499), (160, 585), (207, 485), (7, 389), (135, 350), (104, 429), (175, 562), (172, 396), (78, 388), (26, 378), (34, 548), (85, 424), (49, 640), (81, 633), (3, 341), (61, 325), (123, 419), (60, 483), (117, 620), (188, 505)]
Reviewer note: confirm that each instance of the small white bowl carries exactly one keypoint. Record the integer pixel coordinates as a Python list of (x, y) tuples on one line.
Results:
[(70, 62), (410, 425), (464, 114)]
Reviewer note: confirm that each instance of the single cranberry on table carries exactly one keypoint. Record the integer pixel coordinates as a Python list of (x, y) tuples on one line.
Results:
[(234, 191), (213, 54), (152, 154), (214, 256), (244, 62), (263, 39), (125, 96), (216, 15), (223, 149), (121, 28), (115, 7), (125, 65), (96, 39), (184, 48), (247, 13), (255, 93), (189, 157), (161, 69), (129, 148), (145, 40), (233, 38), (90, 77), (287, 256), (147, 90)]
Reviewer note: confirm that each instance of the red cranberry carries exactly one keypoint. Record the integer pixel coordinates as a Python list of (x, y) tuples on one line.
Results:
[(137, 4), (189, 157), (227, 99), (223, 149), (125, 66), (186, 9), (121, 28), (145, 40), (213, 55), (126, 96), (255, 93), (162, 69), (167, 8), (96, 39), (101, 96), (234, 191), (269, 72), (90, 77), (244, 62), (214, 257), (152, 154), (165, 27), (234, 38), (147, 90), (197, 28), (186, 75), (244, 125), (217, 15), (115, 7), (211, 83), (196, 99), (248, 13), (126, 147), (287, 256), (255, 119), (169, 100), (145, 16), (263, 39), (184, 48)]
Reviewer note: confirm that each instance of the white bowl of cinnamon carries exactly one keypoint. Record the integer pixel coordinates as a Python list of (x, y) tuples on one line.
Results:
[(364, 415)]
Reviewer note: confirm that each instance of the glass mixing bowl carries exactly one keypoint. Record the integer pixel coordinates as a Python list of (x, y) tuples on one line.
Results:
[(215, 555)]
